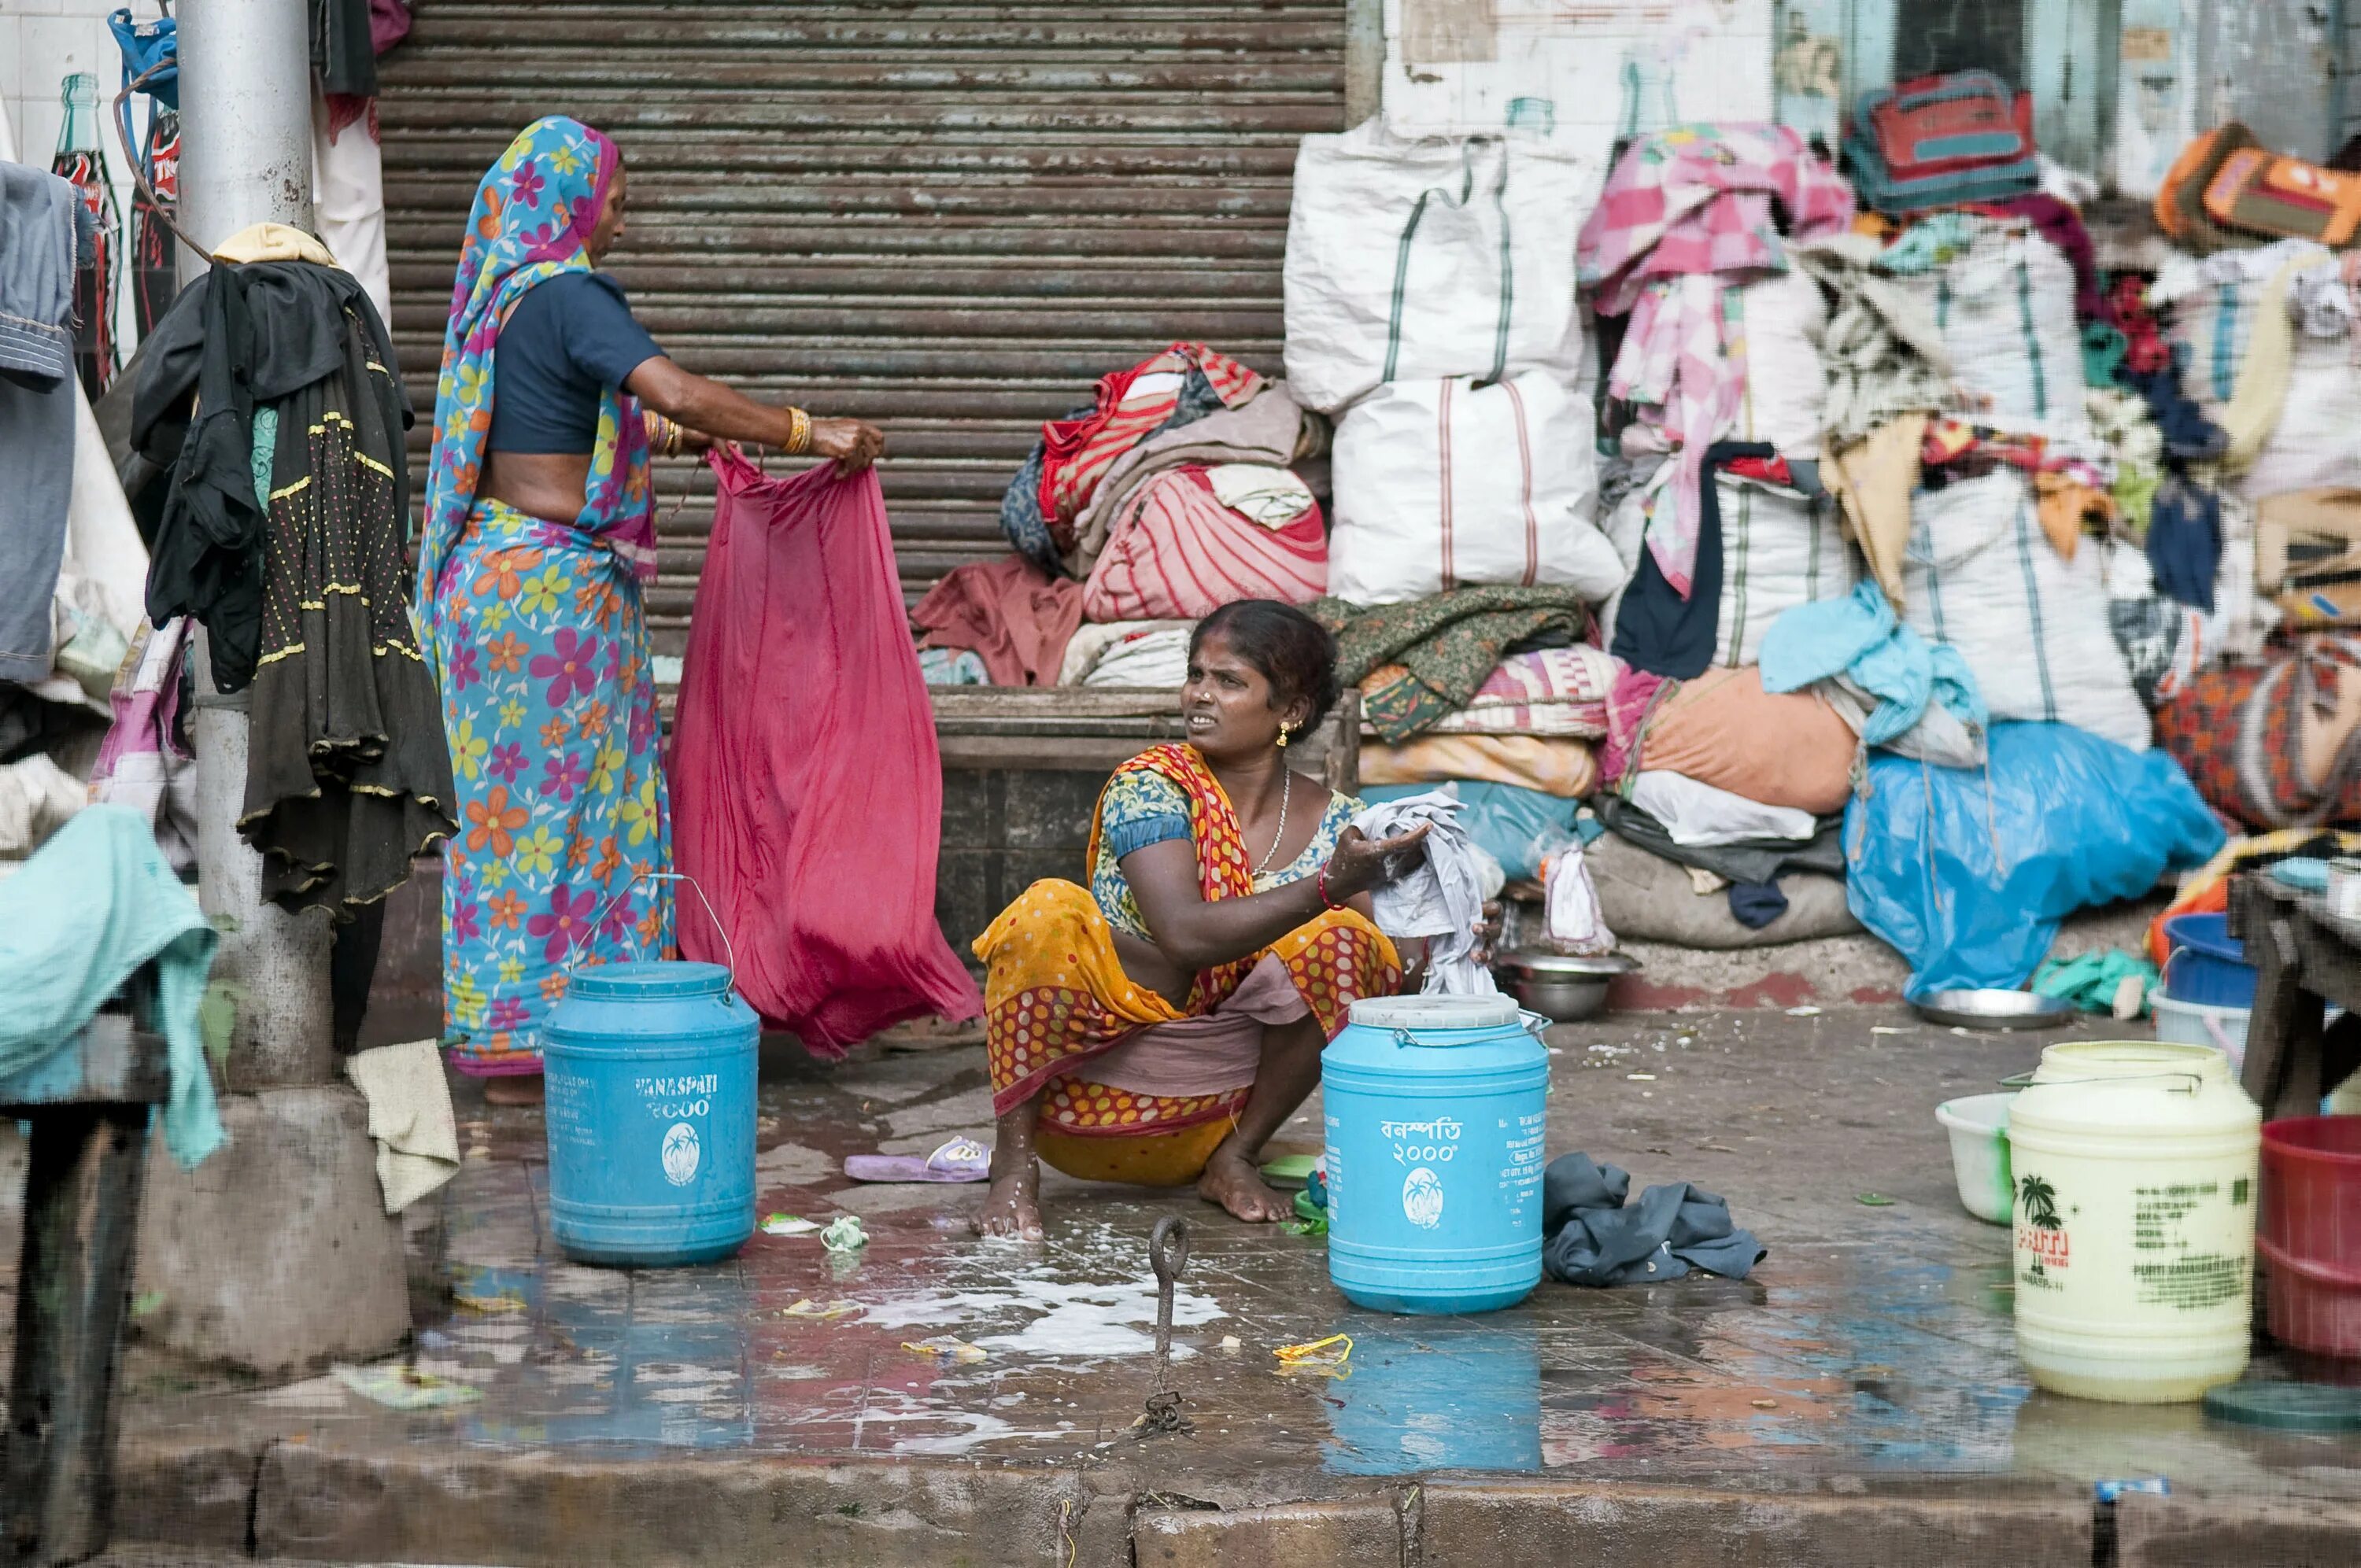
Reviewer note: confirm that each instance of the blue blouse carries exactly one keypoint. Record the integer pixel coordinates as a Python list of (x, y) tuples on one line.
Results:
[(1142, 808)]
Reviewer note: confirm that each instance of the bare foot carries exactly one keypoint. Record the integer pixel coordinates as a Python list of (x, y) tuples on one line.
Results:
[(1230, 1180), (517, 1088), (1011, 1205)]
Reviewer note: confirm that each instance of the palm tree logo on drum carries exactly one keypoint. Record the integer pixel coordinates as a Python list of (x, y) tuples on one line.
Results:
[(2040, 1203)]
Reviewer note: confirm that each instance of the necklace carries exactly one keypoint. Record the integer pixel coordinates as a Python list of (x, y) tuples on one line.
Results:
[(1286, 787)]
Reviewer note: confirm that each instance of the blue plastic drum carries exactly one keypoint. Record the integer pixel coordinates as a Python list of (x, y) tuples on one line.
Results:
[(1436, 1110), (650, 1070)]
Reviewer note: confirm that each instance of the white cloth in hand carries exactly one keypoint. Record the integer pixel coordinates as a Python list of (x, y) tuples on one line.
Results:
[(1442, 896)]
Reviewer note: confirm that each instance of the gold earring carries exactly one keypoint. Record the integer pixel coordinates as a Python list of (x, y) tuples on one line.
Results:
[(1282, 737)]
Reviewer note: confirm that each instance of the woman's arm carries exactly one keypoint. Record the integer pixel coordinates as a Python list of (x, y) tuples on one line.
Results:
[(1195, 935), (705, 405)]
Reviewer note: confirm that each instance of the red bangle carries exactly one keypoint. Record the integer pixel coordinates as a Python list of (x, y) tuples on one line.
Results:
[(1321, 886)]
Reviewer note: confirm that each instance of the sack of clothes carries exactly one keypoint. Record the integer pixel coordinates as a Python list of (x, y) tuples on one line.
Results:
[(1420, 260)]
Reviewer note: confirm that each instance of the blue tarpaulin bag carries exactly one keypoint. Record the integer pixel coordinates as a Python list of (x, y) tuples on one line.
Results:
[(1967, 871)]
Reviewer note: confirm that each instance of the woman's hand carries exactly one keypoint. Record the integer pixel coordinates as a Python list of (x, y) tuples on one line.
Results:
[(1360, 862), (851, 443), (1487, 931)]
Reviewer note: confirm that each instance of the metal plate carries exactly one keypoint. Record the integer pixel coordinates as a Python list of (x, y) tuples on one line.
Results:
[(1992, 1009)]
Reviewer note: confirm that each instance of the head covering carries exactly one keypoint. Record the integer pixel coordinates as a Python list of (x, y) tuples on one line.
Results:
[(532, 218)]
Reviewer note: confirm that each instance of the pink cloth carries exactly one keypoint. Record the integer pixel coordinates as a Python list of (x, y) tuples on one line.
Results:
[(1015, 616), (1553, 691), (140, 763), (1627, 715), (1685, 213), (807, 790), (1216, 1053), (1175, 552)]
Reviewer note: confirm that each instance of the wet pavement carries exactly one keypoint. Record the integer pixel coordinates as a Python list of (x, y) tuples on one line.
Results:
[(1874, 1341)]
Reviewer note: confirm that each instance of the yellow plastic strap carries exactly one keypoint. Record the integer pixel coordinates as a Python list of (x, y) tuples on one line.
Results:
[(1317, 1353)]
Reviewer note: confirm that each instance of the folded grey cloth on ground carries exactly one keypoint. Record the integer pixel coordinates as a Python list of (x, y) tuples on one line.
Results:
[(1590, 1238), (1752, 861), (1442, 898)]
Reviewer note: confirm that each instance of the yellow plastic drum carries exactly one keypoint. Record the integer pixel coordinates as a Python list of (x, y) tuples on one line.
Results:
[(2135, 1166)]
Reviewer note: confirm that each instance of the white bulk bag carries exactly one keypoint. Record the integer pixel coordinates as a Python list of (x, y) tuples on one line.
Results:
[(1783, 316), (1410, 260), (1449, 483), (2317, 441), (2033, 627), (1778, 550), (2006, 311)]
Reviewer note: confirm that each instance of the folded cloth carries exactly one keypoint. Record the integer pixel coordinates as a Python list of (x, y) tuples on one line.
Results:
[(1448, 643), (943, 667), (1149, 659), (1269, 427), (1092, 644), (1264, 493), (2113, 981), (1722, 729), (1858, 638), (37, 798), (1550, 691), (1174, 549), (1441, 897), (93, 905), (1563, 768), (1702, 817), (1013, 614), (410, 1117), (1755, 861), (1590, 1238)]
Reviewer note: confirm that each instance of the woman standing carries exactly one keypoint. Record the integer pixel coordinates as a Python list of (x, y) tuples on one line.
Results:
[(540, 530)]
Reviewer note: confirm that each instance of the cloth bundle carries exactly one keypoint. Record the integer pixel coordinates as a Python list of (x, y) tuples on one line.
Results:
[(1566, 769), (1682, 213), (1415, 260), (2034, 629), (1442, 896), (2276, 744), (1589, 1237), (1177, 550), (1041, 508), (1916, 697), (1550, 691), (1447, 644), (1779, 549), (2005, 308), (1015, 617), (1724, 728), (1127, 653), (806, 789), (1441, 483)]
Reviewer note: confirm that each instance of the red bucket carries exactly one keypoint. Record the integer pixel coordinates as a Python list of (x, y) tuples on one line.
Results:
[(2309, 1231)]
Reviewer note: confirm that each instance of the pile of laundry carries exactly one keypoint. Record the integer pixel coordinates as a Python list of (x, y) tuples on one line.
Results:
[(1784, 548), (1182, 486)]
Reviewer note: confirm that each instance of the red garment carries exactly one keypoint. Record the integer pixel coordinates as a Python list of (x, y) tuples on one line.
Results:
[(807, 790), (1077, 453), (1175, 552), (1017, 617)]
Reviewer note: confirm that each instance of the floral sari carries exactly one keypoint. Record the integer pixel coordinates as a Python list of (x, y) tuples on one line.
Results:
[(1056, 995), (535, 632)]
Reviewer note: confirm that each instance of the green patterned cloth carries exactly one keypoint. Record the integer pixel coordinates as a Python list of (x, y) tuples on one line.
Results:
[(1442, 646)]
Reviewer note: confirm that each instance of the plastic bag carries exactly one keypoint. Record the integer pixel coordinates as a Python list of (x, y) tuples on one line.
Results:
[(1967, 871)]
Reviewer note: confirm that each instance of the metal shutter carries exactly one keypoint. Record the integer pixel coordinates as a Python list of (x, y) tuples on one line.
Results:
[(946, 218)]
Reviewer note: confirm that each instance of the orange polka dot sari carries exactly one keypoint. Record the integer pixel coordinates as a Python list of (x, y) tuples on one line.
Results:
[(1055, 994)]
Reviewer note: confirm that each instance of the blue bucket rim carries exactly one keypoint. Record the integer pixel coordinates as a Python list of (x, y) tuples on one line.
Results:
[(2205, 932), (641, 978)]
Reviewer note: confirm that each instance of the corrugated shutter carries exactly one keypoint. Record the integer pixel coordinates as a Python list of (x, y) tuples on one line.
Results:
[(946, 218)]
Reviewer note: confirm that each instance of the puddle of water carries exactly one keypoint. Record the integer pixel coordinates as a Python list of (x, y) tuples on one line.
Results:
[(1468, 1400)]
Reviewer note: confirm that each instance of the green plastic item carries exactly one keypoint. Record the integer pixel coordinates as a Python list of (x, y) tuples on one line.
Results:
[(2287, 1407), (1290, 1169)]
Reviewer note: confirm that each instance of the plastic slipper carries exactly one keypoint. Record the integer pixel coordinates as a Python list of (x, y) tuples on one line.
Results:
[(959, 1160)]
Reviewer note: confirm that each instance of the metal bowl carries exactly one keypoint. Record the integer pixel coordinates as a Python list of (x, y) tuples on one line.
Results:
[(1561, 987), (1992, 1009)]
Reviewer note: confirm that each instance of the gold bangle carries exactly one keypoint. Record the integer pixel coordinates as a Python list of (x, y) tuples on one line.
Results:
[(671, 441), (653, 422), (799, 432)]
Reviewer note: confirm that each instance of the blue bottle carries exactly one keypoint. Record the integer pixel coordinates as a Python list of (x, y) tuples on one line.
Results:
[(1437, 1109), (650, 1070)]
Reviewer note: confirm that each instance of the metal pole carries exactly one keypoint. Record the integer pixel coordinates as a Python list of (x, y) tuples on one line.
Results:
[(246, 157)]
